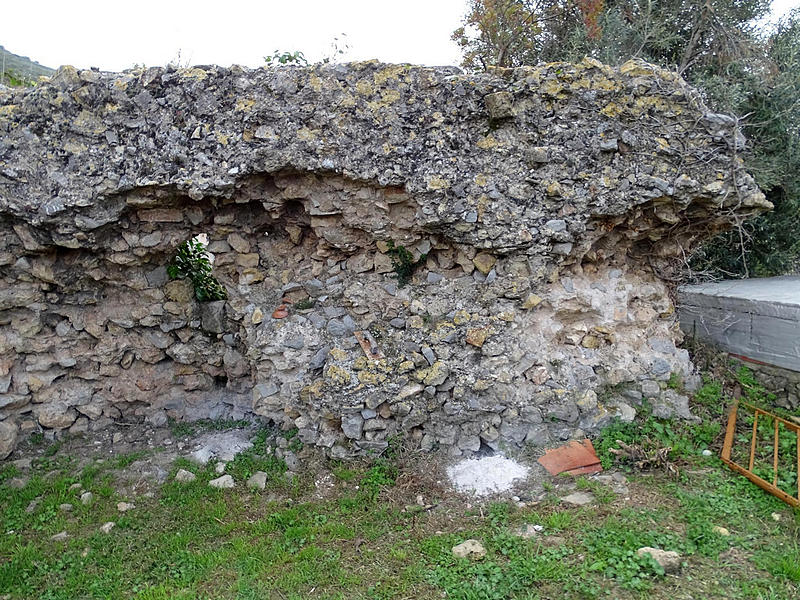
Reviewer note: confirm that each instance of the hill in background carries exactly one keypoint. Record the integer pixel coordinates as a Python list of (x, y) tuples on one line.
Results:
[(20, 70)]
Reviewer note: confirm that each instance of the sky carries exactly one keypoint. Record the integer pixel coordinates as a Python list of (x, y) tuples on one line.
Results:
[(118, 35)]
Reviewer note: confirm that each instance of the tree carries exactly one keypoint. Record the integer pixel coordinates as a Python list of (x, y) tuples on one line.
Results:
[(723, 47)]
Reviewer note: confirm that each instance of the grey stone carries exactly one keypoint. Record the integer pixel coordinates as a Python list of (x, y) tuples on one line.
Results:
[(258, 481), (669, 560), (433, 277), (320, 357), (107, 527), (472, 549), (353, 426), (337, 328), (212, 316), (556, 225), (184, 476), (296, 343), (578, 498), (8, 438), (398, 323), (222, 483)]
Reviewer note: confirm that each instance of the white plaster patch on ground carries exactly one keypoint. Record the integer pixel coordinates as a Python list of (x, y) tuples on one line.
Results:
[(222, 446), (488, 475)]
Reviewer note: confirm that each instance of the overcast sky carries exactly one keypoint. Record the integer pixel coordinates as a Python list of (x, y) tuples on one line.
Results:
[(116, 35)]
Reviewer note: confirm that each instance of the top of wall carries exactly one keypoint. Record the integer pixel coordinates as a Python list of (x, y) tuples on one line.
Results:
[(513, 160), (770, 290)]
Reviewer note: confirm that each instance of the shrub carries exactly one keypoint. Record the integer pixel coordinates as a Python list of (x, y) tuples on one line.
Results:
[(191, 262)]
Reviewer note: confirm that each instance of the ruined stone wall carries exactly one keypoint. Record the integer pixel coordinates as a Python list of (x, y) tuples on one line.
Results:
[(540, 203)]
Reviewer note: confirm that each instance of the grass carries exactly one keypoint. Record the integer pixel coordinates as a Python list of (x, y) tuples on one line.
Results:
[(368, 538)]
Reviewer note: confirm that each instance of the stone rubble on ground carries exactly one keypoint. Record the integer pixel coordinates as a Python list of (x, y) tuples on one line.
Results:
[(222, 483), (669, 560), (258, 481), (469, 549), (578, 499), (107, 527), (527, 531), (184, 476)]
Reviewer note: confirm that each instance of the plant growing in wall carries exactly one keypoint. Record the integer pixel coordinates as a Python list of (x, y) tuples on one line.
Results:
[(191, 262), (403, 263)]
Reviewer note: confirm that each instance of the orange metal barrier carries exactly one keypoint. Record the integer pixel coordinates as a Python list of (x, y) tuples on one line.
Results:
[(730, 433)]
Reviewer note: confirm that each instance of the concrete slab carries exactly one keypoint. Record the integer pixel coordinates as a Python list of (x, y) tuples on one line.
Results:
[(756, 319)]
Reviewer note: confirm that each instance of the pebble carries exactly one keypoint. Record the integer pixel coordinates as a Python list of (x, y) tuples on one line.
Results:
[(107, 527), (87, 498), (469, 549), (60, 537), (669, 560), (720, 531), (222, 483), (125, 506), (65, 507), (258, 481), (528, 531), (184, 476), (578, 498), (220, 467)]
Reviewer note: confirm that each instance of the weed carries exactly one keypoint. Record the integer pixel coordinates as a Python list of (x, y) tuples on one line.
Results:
[(191, 262), (305, 304), (381, 475), (403, 263)]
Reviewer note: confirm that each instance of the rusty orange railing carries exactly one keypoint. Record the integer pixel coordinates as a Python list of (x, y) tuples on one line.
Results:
[(748, 472)]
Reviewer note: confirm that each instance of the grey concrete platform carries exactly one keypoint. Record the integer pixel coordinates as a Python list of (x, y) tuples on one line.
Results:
[(758, 319)]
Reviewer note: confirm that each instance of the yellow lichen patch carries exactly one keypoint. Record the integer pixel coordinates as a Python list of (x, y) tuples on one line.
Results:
[(553, 87), (74, 147), (662, 143), (405, 367), (390, 72), (433, 375), (480, 385), (313, 390), (338, 354), (244, 104), (222, 138), (89, 123), (390, 96), (461, 317), (371, 377), (507, 316), (314, 82), (612, 109), (305, 134), (121, 84), (247, 135), (643, 103), (636, 68), (193, 73), (480, 179), (111, 107), (553, 188), (488, 142), (364, 87), (435, 182), (7, 110), (337, 375)]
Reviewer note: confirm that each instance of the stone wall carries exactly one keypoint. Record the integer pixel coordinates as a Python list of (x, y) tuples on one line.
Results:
[(540, 203)]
